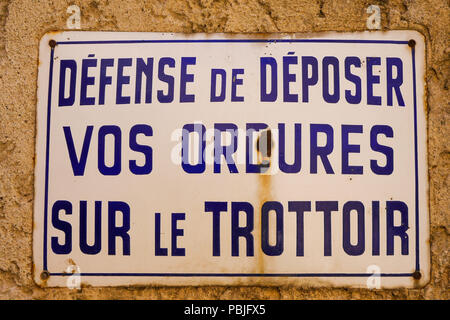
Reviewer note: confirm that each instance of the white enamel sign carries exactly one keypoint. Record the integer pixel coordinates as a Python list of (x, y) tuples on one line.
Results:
[(214, 159)]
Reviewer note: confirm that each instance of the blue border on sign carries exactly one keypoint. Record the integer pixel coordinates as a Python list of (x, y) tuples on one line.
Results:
[(47, 155)]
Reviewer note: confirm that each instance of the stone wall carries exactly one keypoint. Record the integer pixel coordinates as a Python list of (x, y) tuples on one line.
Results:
[(24, 22)]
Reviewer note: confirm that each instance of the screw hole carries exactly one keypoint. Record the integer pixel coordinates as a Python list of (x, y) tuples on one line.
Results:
[(52, 43), (417, 275), (412, 43), (45, 275)]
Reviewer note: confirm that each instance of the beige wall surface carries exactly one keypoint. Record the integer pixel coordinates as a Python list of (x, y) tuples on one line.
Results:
[(24, 22)]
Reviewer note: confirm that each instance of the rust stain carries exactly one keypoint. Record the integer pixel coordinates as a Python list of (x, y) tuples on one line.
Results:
[(417, 283), (425, 96), (71, 262), (54, 32), (264, 194), (264, 188), (44, 276)]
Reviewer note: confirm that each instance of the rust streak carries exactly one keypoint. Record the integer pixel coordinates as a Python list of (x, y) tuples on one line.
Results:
[(264, 194), (264, 149)]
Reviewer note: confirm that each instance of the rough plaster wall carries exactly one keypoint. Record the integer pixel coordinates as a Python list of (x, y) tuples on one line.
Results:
[(23, 22)]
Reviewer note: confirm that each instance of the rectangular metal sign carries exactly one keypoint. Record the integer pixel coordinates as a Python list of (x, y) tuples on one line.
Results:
[(215, 159)]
